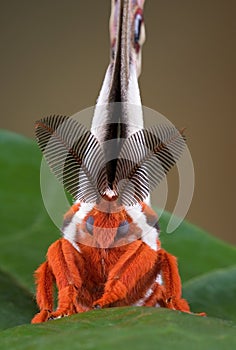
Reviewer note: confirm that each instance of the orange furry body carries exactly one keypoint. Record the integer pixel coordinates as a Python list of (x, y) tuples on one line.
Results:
[(91, 277)]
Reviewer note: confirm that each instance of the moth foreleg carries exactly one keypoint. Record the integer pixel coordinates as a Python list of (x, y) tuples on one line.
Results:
[(67, 265), (172, 296), (44, 294), (64, 265), (138, 261)]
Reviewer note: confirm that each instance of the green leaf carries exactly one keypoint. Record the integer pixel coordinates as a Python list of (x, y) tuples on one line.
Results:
[(196, 250), (26, 230), (214, 292), (140, 328), (17, 304)]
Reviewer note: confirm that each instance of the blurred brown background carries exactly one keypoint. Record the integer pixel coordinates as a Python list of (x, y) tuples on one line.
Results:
[(54, 54)]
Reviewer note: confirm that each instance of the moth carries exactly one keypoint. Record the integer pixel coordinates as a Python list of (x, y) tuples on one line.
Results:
[(110, 254)]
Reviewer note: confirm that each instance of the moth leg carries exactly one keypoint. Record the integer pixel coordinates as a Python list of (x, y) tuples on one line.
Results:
[(172, 296), (172, 282), (157, 296), (138, 261), (66, 264), (44, 295), (63, 265)]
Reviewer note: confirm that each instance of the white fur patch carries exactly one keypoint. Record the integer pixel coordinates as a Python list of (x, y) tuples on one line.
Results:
[(100, 113), (134, 118), (149, 233), (70, 231), (110, 193), (141, 301), (134, 93), (159, 279), (149, 292), (134, 110)]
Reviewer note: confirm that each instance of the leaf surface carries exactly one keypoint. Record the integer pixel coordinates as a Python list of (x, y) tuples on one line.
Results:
[(214, 292), (140, 328)]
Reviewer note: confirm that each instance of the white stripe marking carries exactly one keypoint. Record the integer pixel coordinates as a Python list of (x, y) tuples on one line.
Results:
[(149, 292), (70, 231), (141, 301), (149, 233)]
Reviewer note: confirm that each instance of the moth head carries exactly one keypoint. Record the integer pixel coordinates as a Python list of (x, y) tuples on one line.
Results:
[(107, 224)]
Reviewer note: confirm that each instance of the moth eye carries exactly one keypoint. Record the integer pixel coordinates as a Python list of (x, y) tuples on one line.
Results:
[(123, 228), (137, 27), (89, 224)]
